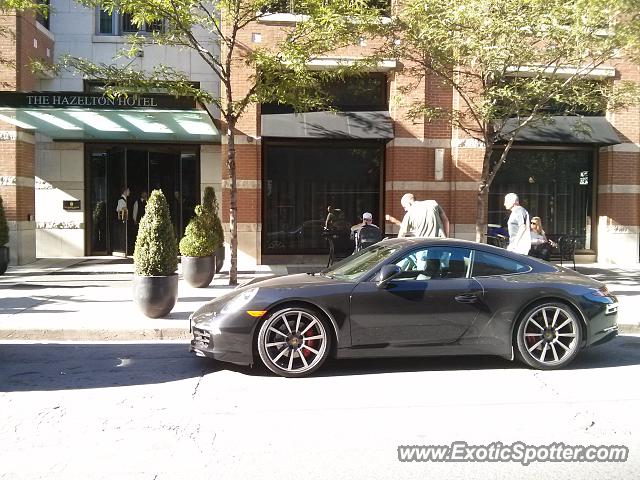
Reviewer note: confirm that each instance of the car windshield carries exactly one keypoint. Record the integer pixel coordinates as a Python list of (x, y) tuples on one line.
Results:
[(356, 265)]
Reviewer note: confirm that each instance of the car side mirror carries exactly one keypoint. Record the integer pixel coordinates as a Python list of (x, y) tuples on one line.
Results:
[(387, 273)]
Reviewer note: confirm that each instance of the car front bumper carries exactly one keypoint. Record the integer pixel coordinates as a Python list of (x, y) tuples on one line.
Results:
[(227, 340)]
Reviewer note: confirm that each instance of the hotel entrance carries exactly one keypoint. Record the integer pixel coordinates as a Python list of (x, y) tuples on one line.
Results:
[(112, 169)]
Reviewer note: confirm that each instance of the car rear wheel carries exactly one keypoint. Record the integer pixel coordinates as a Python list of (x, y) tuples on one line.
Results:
[(549, 336), (294, 342)]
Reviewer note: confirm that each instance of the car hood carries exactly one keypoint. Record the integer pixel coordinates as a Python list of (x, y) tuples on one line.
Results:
[(293, 281)]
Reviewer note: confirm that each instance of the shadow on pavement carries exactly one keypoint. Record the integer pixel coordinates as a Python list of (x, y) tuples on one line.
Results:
[(70, 366)]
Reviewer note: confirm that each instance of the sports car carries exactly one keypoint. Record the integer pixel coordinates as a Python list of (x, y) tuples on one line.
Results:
[(410, 297)]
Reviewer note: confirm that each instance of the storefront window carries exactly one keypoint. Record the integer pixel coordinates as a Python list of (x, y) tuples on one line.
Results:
[(304, 182), (556, 185)]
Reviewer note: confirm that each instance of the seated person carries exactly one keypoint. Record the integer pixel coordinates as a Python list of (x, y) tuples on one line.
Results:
[(540, 245), (368, 233)]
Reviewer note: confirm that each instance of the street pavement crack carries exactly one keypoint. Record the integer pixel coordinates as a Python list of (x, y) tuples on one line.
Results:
[(195, 390)]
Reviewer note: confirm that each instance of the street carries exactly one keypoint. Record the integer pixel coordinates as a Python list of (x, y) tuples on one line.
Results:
[(150, 410)]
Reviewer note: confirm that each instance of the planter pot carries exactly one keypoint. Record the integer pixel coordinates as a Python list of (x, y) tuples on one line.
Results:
[(198, 271), (219, 254), (4, 259), (155, 296)]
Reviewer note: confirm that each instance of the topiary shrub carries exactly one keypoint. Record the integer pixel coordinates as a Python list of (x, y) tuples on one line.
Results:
[(156, 252), (210, 203), (4, 227), (199, 240)]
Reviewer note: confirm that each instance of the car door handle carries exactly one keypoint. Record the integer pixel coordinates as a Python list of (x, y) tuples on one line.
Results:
[(467, 298)]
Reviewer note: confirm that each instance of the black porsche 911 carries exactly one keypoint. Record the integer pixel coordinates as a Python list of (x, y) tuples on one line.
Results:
[(410, 297)]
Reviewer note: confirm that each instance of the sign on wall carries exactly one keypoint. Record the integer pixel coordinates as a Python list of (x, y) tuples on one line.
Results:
[(93, 101)]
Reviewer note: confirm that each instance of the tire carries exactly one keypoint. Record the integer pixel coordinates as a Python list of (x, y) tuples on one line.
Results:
[(294, 342), (549, 336)]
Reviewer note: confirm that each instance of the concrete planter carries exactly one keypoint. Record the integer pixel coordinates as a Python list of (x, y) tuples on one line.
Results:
[(4, 259), (155, 296), (198, 271)]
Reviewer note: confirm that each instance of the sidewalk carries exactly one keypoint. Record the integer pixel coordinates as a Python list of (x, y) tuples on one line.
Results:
[(90, 299)]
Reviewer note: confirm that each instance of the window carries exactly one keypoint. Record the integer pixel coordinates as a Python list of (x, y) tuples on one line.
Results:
[(486, 264), (556, 185), (435, 263), (291, 6), (43, 17), (304, 181), (117, 23), (365, 93)]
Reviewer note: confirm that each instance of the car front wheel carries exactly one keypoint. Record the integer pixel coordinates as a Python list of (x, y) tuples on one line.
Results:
[(549, 336), (294, 342)]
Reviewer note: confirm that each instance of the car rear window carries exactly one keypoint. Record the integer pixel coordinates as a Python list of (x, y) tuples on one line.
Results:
[(487, 264)]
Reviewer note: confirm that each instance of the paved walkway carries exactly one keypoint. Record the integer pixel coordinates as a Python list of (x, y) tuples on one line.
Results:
[(91, 299)]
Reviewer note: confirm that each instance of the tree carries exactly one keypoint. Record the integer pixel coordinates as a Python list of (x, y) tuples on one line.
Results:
[(512, 63), (278, 71)]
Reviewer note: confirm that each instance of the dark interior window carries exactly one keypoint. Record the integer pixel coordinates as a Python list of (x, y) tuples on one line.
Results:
[(486, 264), (555, 185), (362, 93), (303, 180)]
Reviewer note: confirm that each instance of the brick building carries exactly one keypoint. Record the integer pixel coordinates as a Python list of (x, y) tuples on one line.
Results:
[(291, 169)]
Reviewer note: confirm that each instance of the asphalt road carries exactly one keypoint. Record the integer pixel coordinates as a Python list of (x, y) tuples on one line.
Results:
[(153, 411)]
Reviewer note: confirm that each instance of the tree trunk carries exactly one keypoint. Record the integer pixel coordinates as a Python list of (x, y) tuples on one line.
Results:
[(233, 207), (483, 192)]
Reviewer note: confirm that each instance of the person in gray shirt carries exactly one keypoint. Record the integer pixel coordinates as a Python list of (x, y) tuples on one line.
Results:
[(518, 225), (423, 219)]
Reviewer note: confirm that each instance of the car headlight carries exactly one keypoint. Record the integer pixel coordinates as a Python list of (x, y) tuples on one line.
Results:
[(239, 301)]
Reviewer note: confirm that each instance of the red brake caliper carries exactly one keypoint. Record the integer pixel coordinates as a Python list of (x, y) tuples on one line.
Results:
[(311, 343)]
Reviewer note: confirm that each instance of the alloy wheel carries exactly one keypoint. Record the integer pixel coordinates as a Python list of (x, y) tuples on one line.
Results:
[(293, 342), (549, 336)]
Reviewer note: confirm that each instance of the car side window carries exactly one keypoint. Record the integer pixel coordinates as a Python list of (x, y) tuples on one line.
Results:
[(434, 263), (487, 264)]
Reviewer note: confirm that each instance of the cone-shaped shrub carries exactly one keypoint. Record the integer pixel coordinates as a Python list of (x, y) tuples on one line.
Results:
[(156, 252), (199, 240), (210, 203), (4, 227)]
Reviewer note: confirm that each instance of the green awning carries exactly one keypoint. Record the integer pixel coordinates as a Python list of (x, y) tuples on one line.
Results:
[(76, 116)]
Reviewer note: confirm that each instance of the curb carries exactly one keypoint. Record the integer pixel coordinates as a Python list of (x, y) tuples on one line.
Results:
[(170, 334), (97, 335)]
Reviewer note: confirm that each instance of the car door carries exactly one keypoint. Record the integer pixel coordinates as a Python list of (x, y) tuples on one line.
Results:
[(432, 302)]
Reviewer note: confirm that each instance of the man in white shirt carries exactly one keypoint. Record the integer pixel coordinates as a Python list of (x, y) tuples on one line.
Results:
[(423, 219), (518, 225)]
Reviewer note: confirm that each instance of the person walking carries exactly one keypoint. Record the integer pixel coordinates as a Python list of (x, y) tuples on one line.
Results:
[(425, 218), (518, 225)]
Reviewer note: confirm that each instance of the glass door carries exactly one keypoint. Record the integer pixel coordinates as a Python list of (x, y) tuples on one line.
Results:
[(117, 184), (98, 197)]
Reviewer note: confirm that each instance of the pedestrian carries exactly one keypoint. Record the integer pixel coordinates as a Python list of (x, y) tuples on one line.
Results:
[(120, 241), (368, 233), (540, 244), (139, 207), (121, 208), (518, 225), (423, 219)]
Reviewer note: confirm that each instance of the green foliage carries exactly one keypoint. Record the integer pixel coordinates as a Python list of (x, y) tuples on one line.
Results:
[(4, 227), (524, 59), (156, 252), (198, 240), (210, 202), (204, 233)]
